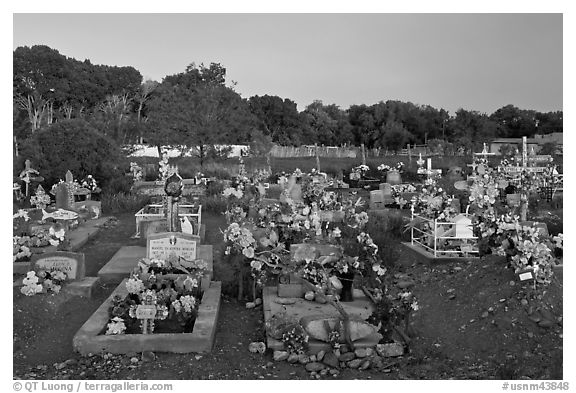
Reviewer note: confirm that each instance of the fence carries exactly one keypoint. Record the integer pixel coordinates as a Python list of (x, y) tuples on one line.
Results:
[(310, 151), (433, 238)]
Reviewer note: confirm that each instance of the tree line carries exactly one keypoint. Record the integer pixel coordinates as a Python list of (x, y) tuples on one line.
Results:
[(199, 108)]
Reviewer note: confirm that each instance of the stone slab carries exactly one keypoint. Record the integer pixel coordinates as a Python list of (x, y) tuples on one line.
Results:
[(84, 287), (359, 308), (89, 340), (290, 290), (162, 245), (126, 259)]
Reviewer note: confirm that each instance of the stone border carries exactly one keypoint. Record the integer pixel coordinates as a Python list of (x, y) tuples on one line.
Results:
[(424, 256), (88, 340)]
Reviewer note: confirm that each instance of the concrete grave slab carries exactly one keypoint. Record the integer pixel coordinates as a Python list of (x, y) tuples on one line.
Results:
[(360, 308), (90, 340)]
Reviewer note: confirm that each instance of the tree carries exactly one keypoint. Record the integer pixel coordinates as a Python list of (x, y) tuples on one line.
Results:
[(279, 119), (195, 109), (394, 136)]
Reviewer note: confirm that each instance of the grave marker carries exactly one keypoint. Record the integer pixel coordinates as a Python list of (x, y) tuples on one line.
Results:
[(71, 263), (163, 245)]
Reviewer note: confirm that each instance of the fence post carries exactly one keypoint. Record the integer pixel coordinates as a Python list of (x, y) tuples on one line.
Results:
[(363, 155), (434, 234), (409, 154)]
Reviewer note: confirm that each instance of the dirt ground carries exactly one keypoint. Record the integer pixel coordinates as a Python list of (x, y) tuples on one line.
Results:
[(472, 324)]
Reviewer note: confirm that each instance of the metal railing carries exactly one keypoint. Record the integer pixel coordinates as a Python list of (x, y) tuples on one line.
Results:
[(423, 236)]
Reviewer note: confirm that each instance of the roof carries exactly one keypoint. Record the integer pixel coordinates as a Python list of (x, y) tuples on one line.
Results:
[(516, 140)]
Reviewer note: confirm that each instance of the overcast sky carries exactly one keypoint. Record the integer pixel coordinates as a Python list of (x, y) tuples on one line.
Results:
[(472, 61)]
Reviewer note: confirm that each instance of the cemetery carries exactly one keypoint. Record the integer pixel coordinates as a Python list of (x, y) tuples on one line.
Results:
[(373, 278), (178, 230)]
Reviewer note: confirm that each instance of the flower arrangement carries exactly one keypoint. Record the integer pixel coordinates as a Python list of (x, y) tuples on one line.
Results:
[(136, 171), (359, 171), (40, 199), (90, 183), (295, 339), (239, 239), (176, 300), (30, 284), (43, 281)]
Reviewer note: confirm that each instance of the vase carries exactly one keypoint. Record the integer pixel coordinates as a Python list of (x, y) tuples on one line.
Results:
[(346, 293)]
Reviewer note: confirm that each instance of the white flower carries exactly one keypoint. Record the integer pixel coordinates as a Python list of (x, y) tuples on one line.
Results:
[(117, 326), (414, 306), (134, 285), (257, 265), (248, 252), (379, 269)]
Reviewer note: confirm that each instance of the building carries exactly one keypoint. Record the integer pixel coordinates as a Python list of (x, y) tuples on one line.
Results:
[(537, 142)]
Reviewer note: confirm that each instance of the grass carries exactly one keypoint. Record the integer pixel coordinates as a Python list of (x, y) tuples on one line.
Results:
[(123, 202)]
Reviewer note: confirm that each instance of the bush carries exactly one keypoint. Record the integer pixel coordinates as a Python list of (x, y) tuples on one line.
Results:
[(214, 188), (123, 202), (120, 184), (71, 145)]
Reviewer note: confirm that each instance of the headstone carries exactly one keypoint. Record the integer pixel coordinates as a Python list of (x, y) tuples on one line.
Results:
[(163, 245), (376, 196), (386, 189), (63, 195), (71, 263)]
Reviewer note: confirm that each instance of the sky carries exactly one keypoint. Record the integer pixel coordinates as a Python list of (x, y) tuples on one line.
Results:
[(473, 61)]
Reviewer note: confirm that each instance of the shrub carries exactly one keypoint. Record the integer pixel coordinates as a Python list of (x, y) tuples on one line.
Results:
[(214, 188), (71, 145), (120, 184), (123, 202)]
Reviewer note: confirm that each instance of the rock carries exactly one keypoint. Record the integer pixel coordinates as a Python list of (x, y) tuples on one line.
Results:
[(312, 358), (280, 356), (309, 295), (315, 327), (346, 357), (390, 350), (377, 362), (134, 360), (361, 352), (343, 349), (334, 372), (355, 363), (365, 365), (320, 355), (60, 366), (250, 305), (323, 372), (320, 299), (71, 362), (452, 297), (547, 314), (535, 317), (546, 323), (484, 314), (303, 358), (524, 302), (258, 301), (257, 347), (148, 356), (330, 359), (405, 284), (315, 366), (292, 358)]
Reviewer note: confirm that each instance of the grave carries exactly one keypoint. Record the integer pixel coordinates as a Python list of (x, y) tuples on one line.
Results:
[(89, 339), (168, 244), (304, 310)]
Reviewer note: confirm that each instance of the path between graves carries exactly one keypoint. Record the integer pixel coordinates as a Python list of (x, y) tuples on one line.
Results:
[(463, 329)]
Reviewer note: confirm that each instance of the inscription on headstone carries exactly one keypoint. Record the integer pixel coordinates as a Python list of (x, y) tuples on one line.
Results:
[(163, 245), (71, 263)]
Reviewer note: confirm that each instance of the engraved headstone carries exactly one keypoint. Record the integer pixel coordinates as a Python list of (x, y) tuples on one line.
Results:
[(175, 244), (71, 263), (63, 195)]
